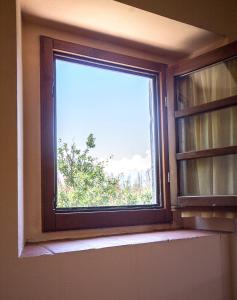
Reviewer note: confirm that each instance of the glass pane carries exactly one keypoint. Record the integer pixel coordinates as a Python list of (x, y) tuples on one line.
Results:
[(208, 84), (208, 130), (104, 136), (209, 176)]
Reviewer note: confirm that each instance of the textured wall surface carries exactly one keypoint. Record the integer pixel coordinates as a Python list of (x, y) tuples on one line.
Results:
[(185, 269)]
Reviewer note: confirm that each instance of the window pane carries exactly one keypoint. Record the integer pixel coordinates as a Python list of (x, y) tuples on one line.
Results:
[(208, 84), (104, 137), (209, 176), (208, 130)]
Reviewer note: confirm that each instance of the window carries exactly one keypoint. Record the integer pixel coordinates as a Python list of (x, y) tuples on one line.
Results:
[(104, 139), (103, 120), (203, 105)]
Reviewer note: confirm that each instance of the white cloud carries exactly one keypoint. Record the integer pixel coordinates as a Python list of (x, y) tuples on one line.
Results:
[(136, 163)]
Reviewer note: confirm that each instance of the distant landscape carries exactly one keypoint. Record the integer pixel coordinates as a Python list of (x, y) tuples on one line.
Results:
[(85, 181)]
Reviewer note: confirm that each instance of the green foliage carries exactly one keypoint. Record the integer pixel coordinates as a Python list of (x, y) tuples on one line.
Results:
[(90, 143), (82, 181)]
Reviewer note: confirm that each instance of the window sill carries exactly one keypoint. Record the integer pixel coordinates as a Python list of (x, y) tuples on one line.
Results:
[(56, 247)]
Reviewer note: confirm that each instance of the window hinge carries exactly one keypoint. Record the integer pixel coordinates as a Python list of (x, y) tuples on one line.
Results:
[(54, 202), (168, 177), (53, 85), (165, 101)]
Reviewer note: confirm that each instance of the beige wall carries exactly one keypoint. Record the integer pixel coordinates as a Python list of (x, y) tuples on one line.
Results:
[(8, 129), (179, 270), (185, 269), (20, 135), (215, 15)]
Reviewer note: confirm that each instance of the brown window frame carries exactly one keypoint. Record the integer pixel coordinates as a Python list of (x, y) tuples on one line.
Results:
[(55, 220), (213, 202)]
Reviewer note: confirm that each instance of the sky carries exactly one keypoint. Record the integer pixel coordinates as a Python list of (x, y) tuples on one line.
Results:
[(113, 106)]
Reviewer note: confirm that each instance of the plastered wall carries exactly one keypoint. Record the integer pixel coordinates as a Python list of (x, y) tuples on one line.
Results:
[(179, 270), (8, 130), (185, 269), (214, 15)]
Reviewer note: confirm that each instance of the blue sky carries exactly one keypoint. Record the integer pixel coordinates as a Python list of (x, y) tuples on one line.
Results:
[(114, 106)]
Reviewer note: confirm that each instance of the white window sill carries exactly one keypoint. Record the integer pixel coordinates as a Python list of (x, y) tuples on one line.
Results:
[(65, 246)]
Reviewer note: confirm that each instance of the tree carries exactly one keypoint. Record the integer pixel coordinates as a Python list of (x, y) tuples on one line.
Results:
[(82, 181)]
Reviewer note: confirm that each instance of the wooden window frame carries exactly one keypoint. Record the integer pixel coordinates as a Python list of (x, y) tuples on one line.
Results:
[(55, 220), (207, 202)]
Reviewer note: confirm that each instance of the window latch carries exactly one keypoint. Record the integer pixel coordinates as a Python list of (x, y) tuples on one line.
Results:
[(165, 101), (168, 177)]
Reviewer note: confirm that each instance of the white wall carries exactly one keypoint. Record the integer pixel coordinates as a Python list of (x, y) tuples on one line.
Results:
[(179, 270), (185, 269)]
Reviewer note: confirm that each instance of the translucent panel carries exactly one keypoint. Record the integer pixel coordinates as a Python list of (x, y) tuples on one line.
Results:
[(209, 176), (105, 137), (208, 84), (209, 130)]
